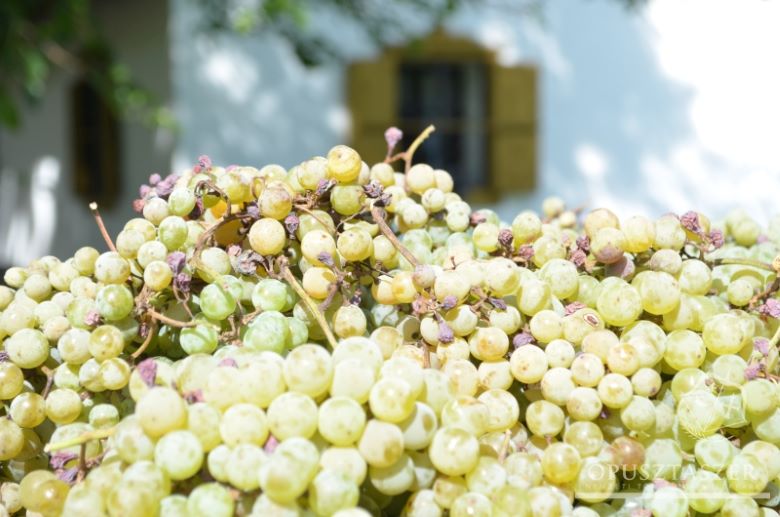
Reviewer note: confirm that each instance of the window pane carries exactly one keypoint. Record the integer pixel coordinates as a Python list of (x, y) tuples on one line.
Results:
[(451, 96)]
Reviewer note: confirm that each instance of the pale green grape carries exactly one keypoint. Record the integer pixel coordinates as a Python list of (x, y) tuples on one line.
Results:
[(341, 421), (331, 491), (161, 410)]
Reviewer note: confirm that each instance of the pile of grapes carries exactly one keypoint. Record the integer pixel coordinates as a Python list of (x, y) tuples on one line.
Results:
[(344, 340)]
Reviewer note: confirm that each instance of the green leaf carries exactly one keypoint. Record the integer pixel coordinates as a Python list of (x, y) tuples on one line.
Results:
[(9, 114)]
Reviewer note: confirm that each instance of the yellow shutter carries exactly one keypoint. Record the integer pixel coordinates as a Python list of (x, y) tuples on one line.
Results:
[(512, 139), (372, 96)]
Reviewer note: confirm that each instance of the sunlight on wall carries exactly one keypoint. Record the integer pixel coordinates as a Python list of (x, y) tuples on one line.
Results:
[(726, 53), (28, 211)]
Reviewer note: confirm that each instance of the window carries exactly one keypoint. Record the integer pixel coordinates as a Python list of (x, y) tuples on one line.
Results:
[(95, 146), (485, 114), (453, 97)]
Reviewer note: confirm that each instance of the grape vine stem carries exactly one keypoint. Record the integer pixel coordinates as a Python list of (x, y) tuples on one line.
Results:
[(145, 344), (379, 219), (170, 321), (88, 436), (743, 262), (101, 226), (407, 155), (284, 269)]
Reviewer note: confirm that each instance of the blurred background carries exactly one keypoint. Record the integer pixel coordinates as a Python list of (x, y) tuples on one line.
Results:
[(641, 106)]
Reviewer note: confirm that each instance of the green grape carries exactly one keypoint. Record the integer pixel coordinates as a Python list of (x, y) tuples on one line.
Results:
[(663, 459), (746, 475), (83, 499), (203, 421), (740, 507), (131, 501), (37, 287), (244, 423), (267, 236), (155, 210), (111, 268), (158, 275), (670, 501), (16, 317), (179, 454), (292, 415), (341, 421), (607, 245), (210, 500), (355, 245), (289, 470), (128, 243), (623, 359), (331, 491), (584, 404), (713, 490), (181, 201), (27, 348), (343, 164), (114, 302), (308, 369), (544, 418), (345, 460), (557, 385), (216, 302), (11, 439), (160, 411), (147, 476), (619, 303), (391, 399), (615, 391), (84, 260), (63, 406), (243, 466), (106, 342), (11, 380), (724, 334), (103, 416), (348, 321)]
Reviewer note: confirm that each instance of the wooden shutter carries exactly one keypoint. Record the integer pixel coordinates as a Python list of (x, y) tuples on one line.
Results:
[(513, 128), (372, 94)]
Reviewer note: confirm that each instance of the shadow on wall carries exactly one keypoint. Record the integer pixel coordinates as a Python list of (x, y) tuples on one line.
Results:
[(248, 100)]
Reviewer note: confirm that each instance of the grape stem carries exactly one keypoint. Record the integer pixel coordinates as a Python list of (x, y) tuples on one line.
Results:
[(49, 380), (88, 436), (743, 262), (379, 219), (284, 268), (407, 155), (775, 339), (211, 185), (101, 226), (170, 321), (145, 344), (504, 446)]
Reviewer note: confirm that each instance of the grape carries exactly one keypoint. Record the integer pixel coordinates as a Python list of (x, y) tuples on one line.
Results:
[(160, 411), (332, 491), (11, 380), (746, 475), (341, 421)]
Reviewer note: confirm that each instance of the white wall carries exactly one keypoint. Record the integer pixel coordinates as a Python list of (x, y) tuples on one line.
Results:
[(667, 109), (39, 210)]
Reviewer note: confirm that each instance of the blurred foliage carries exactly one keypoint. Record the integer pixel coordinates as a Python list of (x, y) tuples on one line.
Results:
[(37, 37)]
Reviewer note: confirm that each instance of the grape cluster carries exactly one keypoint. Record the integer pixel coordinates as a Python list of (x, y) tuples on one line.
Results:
[(345, 340)]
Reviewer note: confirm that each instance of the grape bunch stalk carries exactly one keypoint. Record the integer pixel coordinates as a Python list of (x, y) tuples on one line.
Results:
[(346, 340)]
